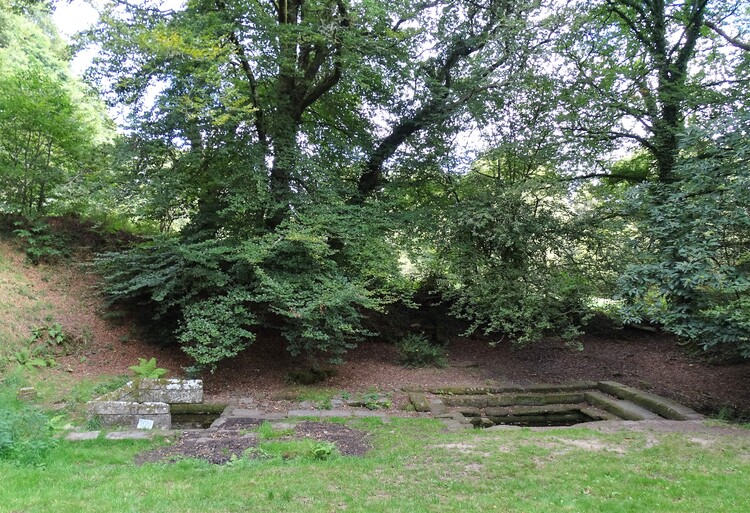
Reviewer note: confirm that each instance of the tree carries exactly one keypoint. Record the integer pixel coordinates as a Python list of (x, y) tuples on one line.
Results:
[(692, 273), (644, 68), (50, 128), (282, 125)]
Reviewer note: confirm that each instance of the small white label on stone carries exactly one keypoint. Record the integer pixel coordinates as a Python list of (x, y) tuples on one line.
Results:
[(145, 424)]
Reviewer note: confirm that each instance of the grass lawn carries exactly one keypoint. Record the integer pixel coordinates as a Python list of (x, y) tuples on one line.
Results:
[(414, 467)]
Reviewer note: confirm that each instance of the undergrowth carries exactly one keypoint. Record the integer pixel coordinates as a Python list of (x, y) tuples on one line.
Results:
[(26, 432)]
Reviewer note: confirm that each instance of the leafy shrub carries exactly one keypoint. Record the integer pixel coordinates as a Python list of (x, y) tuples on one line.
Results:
[(220, 289), (415, 350), (40, 243), (505, 259), (694, 260), (324, 451)]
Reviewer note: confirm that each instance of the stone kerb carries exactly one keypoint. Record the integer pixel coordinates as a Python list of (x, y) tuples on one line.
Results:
[(171, 391), (145, 399)]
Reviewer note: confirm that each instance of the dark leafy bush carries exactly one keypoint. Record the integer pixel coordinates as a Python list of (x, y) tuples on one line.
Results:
[(693, 273), (40, 242), (506, 259), (296, 279), (415, 350)]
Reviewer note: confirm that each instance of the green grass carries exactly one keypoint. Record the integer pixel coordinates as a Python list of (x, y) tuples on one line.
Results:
[(413, 468)]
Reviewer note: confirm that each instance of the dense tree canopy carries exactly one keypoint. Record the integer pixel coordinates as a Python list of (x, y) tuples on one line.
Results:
[(308, 162), (50, 126)]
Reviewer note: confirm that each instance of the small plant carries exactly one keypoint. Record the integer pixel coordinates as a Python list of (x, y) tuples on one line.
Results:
[(51, 339), (94, 423), (324, 451), (147, 369), (373, 400), (305, 449), (56, 334), (415, 350), (31, 359)]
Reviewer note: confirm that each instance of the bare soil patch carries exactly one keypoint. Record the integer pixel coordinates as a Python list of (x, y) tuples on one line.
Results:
[(225, 444)]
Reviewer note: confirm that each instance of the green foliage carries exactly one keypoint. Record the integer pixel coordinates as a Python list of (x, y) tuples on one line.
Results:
[(692, 275), (267, 431), (33, 358), (222, 288), (86, 390), (52, 126), (26, 434), (300, 450), (148, 369), (415, 350), (506, 257), (323, 451), (374, 400), (40, 243), (41, 348)]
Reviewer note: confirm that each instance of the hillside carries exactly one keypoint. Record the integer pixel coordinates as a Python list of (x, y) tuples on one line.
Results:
[(100, 345)]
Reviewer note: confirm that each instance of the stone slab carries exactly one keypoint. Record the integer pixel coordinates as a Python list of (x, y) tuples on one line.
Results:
[(370, 415), (171, 391), (320, 413), (420, 402), (539, 420), (112, 407), (161, 421), (598, 413), (665, 407), (529, 399), (624, 409), (150, 408), (129, 435), (244, 413), (564, 387), (475, 390), (500, 411), (85, 435), (438, 407), (454, 426)]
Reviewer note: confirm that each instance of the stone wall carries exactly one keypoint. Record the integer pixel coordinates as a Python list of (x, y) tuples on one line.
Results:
[(145, 399)]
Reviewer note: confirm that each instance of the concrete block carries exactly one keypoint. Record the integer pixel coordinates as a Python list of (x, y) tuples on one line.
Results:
[(112, 407), (161, 421), (116, 420), (149, 408)]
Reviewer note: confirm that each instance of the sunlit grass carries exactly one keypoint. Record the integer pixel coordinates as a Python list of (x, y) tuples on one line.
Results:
[(414, 467)]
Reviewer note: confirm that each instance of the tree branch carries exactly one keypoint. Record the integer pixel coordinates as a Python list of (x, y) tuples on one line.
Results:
[(731, 40), (239, 50)]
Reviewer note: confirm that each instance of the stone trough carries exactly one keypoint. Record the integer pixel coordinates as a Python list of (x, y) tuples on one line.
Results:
[(546, 405), (146, 403)]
